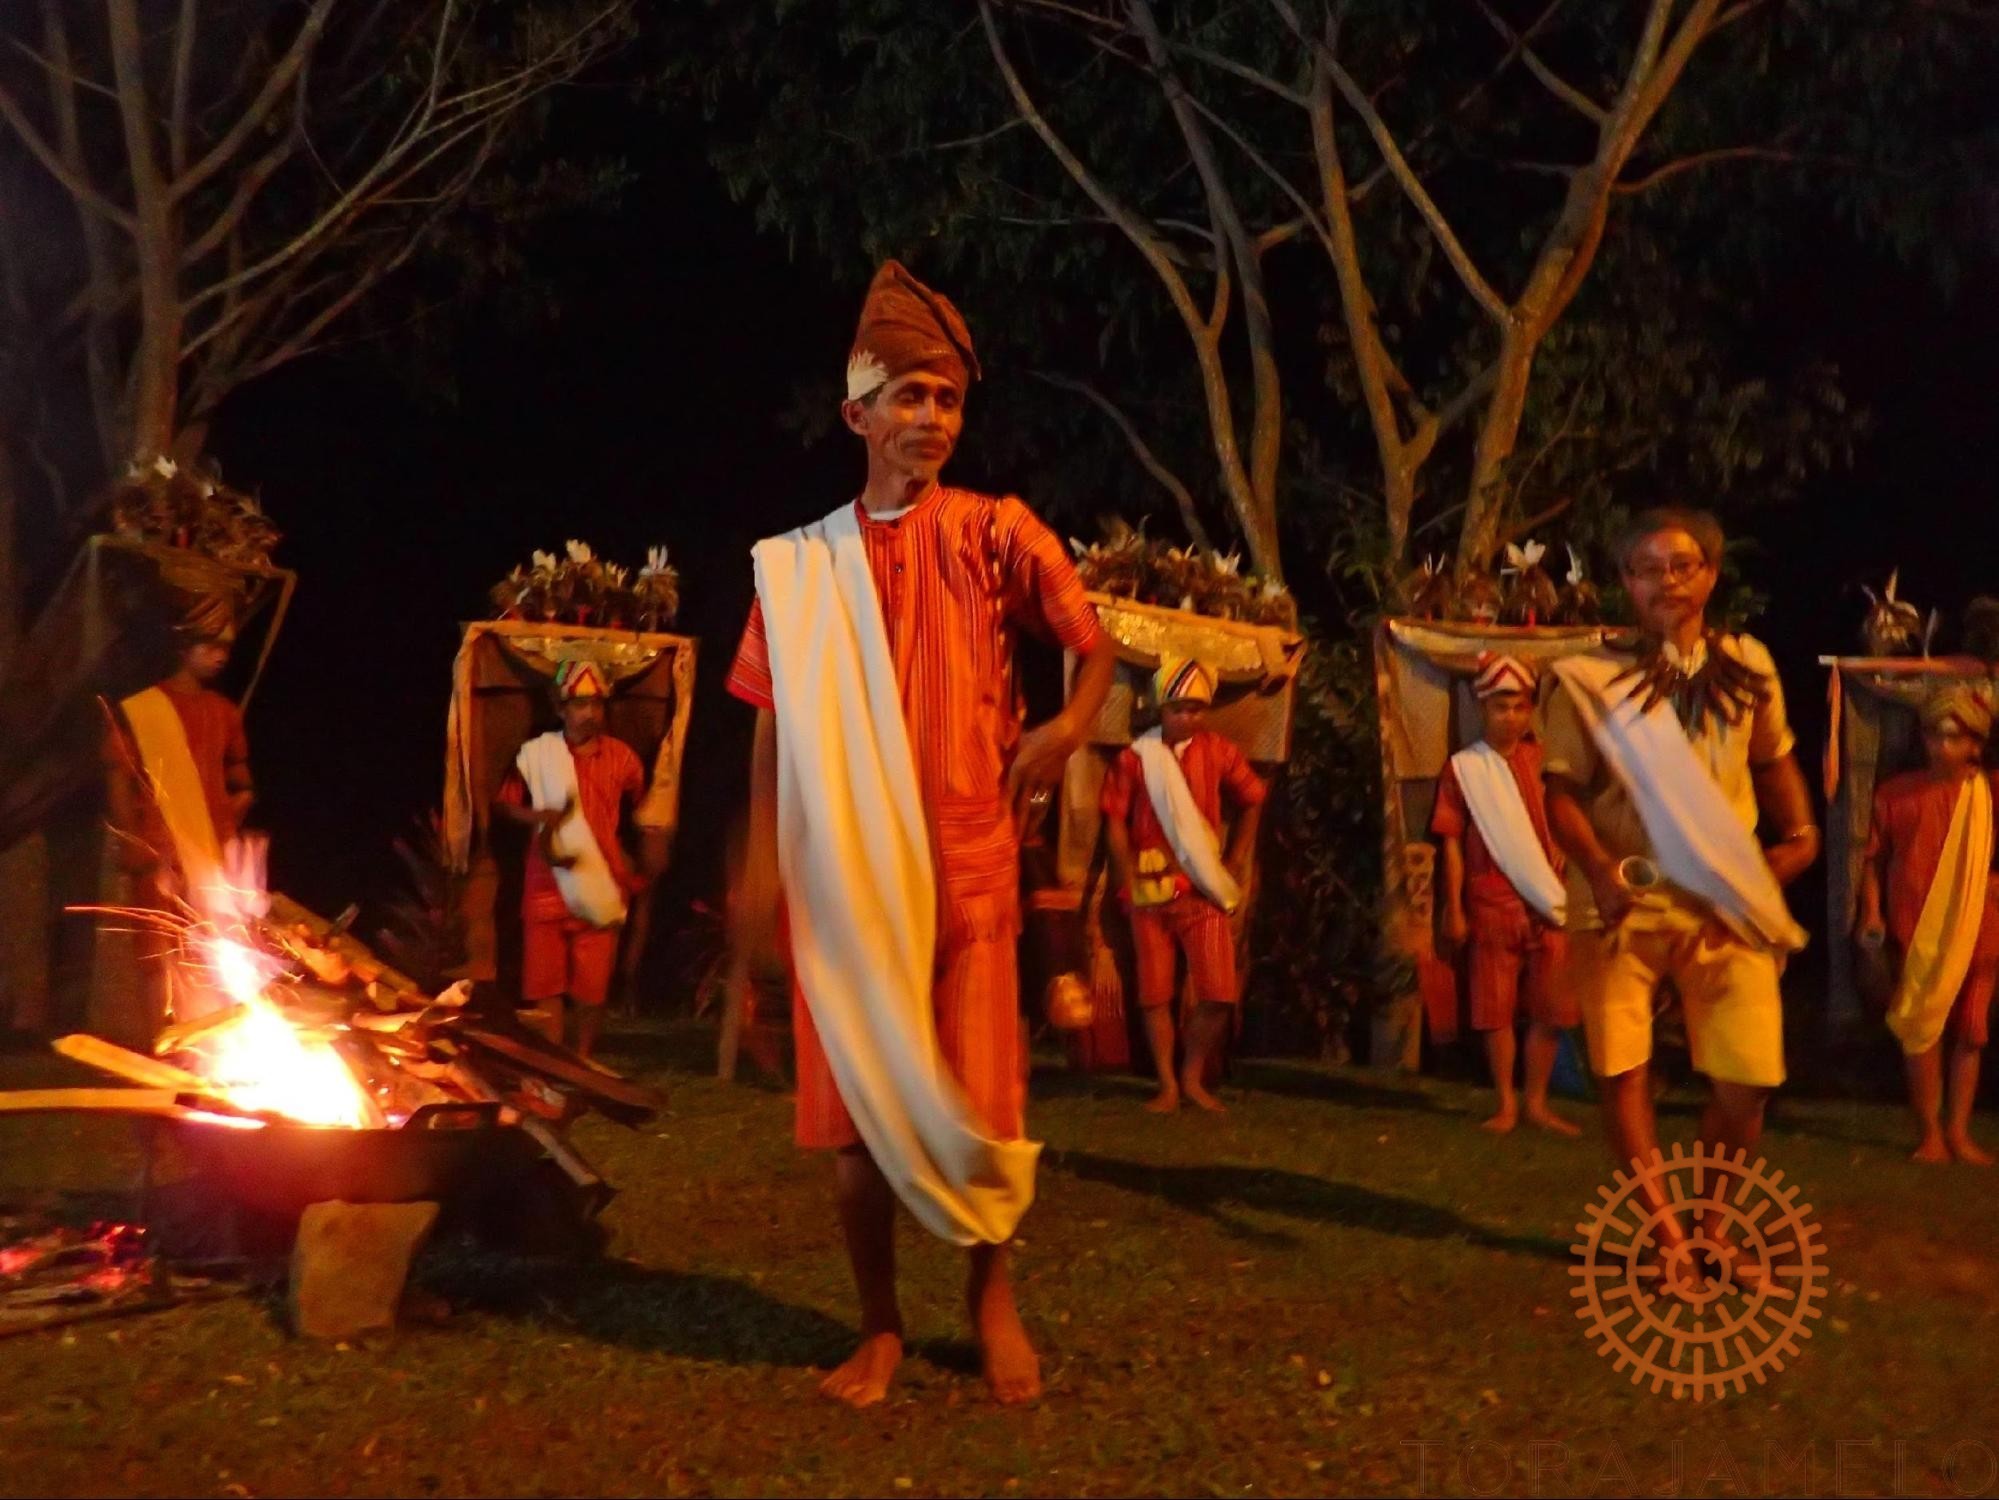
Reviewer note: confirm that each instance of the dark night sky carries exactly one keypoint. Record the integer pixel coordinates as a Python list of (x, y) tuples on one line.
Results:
[(650, 414)]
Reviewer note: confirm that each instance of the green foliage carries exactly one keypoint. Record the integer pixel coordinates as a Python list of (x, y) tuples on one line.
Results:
[(1316, 961), (898, 138)]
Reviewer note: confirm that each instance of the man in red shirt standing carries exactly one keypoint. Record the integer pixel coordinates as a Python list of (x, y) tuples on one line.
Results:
[(880, 654), (572, 788), (1162, 846)]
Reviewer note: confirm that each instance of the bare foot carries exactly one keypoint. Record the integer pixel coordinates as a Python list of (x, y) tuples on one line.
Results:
[(1501, 1123), (1013, 1369), (1546, 1119), (863, 1380), (1202, 1097), (1165, 1102), (1933, 1150), (1968, 1151)]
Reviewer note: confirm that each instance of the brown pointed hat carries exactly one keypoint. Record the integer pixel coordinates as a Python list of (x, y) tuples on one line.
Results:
[(905, 326)]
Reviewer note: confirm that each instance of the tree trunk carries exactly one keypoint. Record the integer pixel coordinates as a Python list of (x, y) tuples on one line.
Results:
[(1498, 435), (155, 375)]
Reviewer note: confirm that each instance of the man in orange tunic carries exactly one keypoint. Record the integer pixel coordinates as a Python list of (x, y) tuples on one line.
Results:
[(956, 575), (1909, 847)]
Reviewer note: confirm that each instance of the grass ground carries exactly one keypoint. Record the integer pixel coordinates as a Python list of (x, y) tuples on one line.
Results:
[(1342, 1287)]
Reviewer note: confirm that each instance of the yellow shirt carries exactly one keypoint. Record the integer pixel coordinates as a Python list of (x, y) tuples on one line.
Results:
[(1731, 753)]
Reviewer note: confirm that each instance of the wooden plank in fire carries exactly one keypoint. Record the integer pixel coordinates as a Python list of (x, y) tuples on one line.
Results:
[(162, 1102), (565, 1156), (624, 1101), (147, 1072), (386, 984)]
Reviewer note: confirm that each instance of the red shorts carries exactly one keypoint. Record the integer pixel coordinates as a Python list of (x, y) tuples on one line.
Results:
[(567, 956), (976, 1000), (1198, 928), (1510, 951)]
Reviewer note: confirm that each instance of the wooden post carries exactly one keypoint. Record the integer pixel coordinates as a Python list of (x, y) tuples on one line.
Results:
[(1396, 1037)]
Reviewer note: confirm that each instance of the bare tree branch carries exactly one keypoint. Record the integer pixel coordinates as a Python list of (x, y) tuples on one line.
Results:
[(1168, 480), (184, 38), (1257, 510), (1570, 95), (1243, 71), (276, 82), (1674, 168), (77, 186), (1412, 186)]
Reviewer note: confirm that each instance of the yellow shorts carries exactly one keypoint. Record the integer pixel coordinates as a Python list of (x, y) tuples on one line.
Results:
[(1735, 1018)]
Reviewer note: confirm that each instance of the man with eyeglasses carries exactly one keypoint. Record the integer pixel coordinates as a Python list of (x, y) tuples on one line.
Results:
[(1660, 770)]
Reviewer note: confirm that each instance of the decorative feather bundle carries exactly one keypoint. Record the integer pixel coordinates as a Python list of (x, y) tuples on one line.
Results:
[(1529, 597), (1578, 602), (1127, 564), (1426, 591), (169, 505), (1894, 627), (581, 588)]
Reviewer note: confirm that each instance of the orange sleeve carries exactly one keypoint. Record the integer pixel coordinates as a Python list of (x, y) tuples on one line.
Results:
[(1044, 591), (749, 678), (1447, 819), (634, 781), (1119, 786), (513, 791), (236, 744), (1239, 777)]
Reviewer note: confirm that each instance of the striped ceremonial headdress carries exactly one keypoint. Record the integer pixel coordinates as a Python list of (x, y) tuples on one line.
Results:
[(1499, 673), (580, 679), (1181, 679), (206, 617)]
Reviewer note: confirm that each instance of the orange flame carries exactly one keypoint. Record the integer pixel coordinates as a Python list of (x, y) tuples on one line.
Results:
[(259, 1060)]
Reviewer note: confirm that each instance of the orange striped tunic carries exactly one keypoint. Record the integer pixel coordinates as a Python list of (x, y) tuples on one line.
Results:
[(958, 576)]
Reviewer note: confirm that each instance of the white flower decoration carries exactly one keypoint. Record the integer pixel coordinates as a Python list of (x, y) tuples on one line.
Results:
[(1519, 557), (655, 562), (165, 467), (544, 562), (1231, 564), (865, 375), (1575, 567), (579, 552)]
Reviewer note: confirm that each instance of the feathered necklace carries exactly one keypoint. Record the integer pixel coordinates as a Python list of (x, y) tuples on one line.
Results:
[(1706, 680)]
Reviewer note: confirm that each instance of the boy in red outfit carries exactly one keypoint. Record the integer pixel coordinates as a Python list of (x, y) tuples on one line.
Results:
[(1503, 895), (572, 788), (1162, 803), (1929, 864)]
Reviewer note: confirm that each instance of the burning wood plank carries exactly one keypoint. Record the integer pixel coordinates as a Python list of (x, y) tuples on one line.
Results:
[(164, 1102), (147, 1072), (386, 986)]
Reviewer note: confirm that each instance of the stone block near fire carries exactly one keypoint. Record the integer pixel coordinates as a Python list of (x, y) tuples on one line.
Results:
[(349, 1265)]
